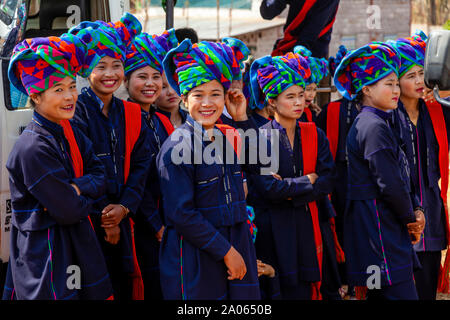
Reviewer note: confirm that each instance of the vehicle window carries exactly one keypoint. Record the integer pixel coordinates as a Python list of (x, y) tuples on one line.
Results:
[(12, 25)]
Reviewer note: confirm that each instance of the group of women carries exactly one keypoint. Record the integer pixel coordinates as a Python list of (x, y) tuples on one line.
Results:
[(94, 183)]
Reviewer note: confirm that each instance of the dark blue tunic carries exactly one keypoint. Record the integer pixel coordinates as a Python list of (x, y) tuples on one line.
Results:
[(380, 204), (422, 151), (205, 213), (347, 114), (50, 227), (149, 219), (285, 231), (258, 119), (108, 137)]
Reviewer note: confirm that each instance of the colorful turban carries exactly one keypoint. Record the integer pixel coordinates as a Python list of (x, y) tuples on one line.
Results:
[(38, 63), (149, 50), (333, 62), (318, 66), (270, 76), (411, 50), (365, 66), (109, 39), (190, 65)]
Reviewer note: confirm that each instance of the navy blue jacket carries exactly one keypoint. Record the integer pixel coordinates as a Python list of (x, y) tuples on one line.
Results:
[(50, 227), (285, 231), (422, 151), (380, 203), (205, 213), (108, 137), (149, 219)]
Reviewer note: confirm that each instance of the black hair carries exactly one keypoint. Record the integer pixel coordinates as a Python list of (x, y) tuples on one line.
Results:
[(359, 98), (186, 33)]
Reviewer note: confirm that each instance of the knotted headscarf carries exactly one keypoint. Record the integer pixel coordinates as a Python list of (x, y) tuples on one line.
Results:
[(109, 39), (38, 63), (270, 76), (333, 62), (149, 50), (411, 50), (365, 66), (190, 65), (318, 66)]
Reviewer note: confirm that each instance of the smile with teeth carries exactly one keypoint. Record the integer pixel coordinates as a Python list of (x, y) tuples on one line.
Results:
[(68, 107), (207, 113), (109, 83), (148, 92)]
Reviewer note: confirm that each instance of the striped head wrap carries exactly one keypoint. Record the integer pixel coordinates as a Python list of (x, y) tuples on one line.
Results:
[(38, 63), (270, 76), (109, 39), (149, 50), (365, 66), (333, 62), (411, 50), (190, 65), (318, 66)]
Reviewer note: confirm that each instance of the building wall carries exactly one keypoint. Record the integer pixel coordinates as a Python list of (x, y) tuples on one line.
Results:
[(350, 28), (351, 25)]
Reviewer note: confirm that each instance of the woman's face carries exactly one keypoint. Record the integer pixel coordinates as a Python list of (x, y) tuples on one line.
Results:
[(168, 99), (57, 102), (290, 103), (107, 76), (310, 94), (384, 94), (144, 85), (205, 103), (412, 83)]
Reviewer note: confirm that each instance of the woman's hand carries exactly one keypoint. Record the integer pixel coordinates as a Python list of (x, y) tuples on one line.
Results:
[(112, 234), (235, 264), (236, 104), (76, 188), (265, 269), (312, 177), (112, 214), (415, 229), (159, 234)]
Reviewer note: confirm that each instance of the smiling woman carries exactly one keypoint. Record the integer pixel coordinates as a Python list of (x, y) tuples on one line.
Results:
[(55, 178), (57, 102)]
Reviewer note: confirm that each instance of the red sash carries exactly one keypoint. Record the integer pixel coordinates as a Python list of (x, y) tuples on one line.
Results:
[(166, 122), (132, 131), (232, 136), (309, 151), (333, 126), (333, 138), (308, 113), (77, 159), (440, 130)]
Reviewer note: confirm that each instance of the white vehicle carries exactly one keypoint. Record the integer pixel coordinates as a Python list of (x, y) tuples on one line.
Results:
[(20, 19)]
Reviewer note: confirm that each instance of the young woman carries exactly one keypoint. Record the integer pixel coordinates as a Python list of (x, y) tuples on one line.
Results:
[(55, 178), (319, 70), (144, 83), (121, 141), (206, 250), (290, 207), (168, 103), (379, 221), (424, 128)]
